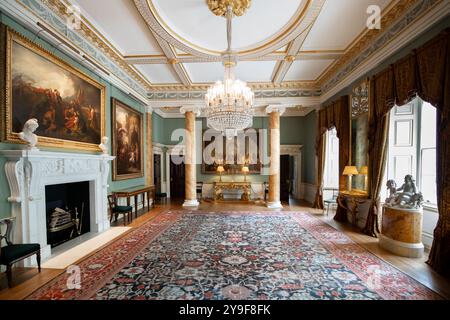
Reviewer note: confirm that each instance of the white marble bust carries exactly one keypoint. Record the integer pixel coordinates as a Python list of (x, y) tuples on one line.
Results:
[(104, 145), (28, 135)]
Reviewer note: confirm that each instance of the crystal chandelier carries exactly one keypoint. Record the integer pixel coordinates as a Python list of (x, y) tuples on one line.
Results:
[(229, 104)]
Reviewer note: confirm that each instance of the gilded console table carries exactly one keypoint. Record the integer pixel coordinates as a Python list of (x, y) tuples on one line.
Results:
[(352, 201), (220, 186)]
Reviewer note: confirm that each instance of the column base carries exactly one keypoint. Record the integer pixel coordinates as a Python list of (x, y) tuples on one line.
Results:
[(191, 203), (274, 205)]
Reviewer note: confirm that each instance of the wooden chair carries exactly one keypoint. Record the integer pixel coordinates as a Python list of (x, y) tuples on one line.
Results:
[(12, 253), (332, 200), (199, 190), (115, 210), (266, 190)]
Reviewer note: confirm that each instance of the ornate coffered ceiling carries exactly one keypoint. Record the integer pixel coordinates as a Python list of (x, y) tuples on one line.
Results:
[(169, 51)]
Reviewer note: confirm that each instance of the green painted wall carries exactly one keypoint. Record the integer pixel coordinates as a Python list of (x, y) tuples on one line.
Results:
[(157, 125), (111, 92), (294, 130)]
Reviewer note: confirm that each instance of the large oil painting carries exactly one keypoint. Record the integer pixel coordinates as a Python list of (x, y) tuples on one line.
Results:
[(234, 152), (68, 105), (127, 141)]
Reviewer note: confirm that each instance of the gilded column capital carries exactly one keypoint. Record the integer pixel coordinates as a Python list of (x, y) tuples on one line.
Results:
[(275, 108), (194, 109)]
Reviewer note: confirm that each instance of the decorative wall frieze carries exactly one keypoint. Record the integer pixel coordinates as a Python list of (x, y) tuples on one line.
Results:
[(196, 95)]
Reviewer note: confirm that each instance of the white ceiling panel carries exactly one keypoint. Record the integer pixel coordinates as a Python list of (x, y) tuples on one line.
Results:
[(204, 72), (254, 71), (339, 23), (307, 70), (120, 22), (192, 20), (158, 73)]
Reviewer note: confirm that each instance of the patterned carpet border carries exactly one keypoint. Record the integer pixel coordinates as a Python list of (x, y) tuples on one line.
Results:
[(388, 281)]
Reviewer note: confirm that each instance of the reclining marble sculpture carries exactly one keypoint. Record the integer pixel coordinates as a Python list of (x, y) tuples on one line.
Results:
[(407, 196)]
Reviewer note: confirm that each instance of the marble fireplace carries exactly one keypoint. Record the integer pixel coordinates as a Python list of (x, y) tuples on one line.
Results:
[(29, 172)]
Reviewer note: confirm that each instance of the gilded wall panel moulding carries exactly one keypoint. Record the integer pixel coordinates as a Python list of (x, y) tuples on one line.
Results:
[(54, 13), (360, 99)]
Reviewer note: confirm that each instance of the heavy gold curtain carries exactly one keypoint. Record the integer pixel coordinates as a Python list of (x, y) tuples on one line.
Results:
[(335, 115), (426, 73)]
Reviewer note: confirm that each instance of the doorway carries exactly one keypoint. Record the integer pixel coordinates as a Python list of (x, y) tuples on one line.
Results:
[(177, 177), (157, 172), (285, 178)]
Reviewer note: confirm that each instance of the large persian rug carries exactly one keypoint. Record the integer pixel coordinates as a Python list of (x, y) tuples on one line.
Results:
[(235, 255)]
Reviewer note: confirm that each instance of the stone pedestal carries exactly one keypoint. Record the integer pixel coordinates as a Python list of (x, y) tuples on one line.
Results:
[(401, 231)]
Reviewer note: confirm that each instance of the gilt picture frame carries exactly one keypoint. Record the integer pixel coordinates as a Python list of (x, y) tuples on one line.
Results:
[(127, 141), (68, 104), (235, 167)]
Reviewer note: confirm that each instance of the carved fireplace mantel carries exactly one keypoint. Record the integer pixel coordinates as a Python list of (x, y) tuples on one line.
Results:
[(29, 172)]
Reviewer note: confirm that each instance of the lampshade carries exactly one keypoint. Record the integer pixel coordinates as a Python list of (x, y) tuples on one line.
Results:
[(220, 169), (364, 170), (350, 171), (245, 169)]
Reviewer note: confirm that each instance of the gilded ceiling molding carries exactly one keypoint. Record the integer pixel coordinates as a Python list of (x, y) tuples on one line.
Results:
[(397, 19), (286, 85), (298, 24), (54, 13)]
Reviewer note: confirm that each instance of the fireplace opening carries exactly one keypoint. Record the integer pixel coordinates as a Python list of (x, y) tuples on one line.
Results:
[(67, 208)]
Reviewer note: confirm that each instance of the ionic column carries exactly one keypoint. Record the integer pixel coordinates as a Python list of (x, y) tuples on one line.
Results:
[(274, 113), (149, 178), (190, 158)]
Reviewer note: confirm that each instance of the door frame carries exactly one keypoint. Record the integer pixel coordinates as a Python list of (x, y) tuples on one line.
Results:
[(296, 152), (158, 149), (171, 150)]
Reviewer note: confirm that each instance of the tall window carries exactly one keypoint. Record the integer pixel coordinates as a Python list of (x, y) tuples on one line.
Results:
[(412, 147), (427, 173), (331, 173)]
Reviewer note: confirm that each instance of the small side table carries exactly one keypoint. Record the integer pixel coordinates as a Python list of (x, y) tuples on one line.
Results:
[(401, 231)]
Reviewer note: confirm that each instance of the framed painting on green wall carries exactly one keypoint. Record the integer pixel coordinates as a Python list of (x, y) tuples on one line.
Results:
[(127, 141), (68, 105), (232, 154)]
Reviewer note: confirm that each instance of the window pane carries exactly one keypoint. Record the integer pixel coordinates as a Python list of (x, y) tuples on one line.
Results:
[(428, 132), (428, 178)]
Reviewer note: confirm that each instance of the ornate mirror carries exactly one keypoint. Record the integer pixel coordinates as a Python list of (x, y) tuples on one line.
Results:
[(359, 135)]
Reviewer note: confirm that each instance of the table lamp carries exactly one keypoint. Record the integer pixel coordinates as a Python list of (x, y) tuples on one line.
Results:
[(220, 170), (350, 171), (245, 170), (365, 172)]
